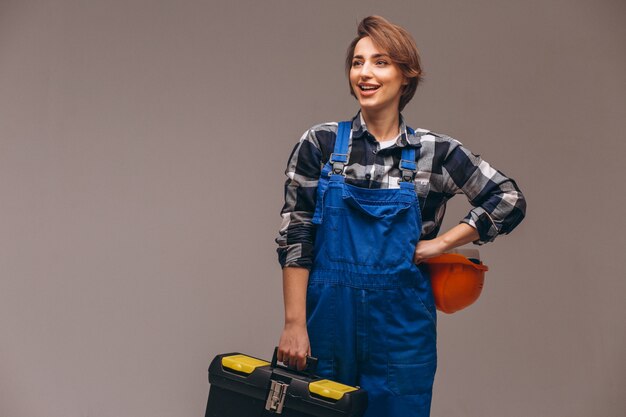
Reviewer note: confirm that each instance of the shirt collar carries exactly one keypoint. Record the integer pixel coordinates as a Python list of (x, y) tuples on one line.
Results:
[(359, 129)]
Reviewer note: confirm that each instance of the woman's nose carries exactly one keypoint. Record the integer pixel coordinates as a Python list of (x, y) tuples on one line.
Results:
[(366, 70)]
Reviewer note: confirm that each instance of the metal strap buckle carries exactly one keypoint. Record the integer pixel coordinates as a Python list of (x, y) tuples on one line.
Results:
[(339, 162), (408, 175), (333, 157), (276, 397), (338, 168)]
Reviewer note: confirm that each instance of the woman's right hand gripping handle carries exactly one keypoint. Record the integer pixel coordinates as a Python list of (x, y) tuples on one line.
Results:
[(294, 347)]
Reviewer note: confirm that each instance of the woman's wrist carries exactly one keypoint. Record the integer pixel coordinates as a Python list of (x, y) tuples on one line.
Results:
[(295, 321), (443, 244), (294, 290)]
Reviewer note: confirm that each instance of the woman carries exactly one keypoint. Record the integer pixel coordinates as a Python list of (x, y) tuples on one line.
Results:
[(364, 202)]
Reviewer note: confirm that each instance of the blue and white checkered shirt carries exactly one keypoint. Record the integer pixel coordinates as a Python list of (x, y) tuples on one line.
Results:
[(444, 168)]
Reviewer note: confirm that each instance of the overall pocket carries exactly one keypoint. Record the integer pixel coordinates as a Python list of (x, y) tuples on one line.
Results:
[(412, 379), (424, 297), (372, 236)]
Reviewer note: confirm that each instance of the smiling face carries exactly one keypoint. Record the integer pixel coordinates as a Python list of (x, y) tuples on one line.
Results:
[(376, 80)]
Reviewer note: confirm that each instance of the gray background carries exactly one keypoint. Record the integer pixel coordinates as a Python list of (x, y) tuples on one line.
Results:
[(142, 150)]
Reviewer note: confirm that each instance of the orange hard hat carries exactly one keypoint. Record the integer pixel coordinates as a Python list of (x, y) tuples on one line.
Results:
[(456, 280)]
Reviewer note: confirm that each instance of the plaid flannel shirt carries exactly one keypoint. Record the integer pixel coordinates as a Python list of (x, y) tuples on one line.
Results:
[(444, 168)]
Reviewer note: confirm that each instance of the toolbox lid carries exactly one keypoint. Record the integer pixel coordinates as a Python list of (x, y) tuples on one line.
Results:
[(242, 363), (330, 389)]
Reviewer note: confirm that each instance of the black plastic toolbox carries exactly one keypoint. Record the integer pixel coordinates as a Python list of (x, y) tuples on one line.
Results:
[(245, 386)]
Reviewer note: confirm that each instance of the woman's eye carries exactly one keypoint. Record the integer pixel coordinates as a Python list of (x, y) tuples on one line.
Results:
[(381, 62), (355, 63)]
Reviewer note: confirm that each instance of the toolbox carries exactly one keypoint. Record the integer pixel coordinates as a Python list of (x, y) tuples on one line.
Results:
[(245, 386)]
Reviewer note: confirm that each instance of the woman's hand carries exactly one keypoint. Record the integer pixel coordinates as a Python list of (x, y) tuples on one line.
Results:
[(426, 249), (294, 346)]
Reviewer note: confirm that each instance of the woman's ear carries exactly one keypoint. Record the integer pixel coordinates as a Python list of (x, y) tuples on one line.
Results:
[(404, 85)]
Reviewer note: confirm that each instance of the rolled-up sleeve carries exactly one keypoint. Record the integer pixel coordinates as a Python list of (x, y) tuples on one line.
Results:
[(296, 236), (499, 205)]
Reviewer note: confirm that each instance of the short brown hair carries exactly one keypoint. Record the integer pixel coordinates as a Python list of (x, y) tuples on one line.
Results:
[(400, 46)]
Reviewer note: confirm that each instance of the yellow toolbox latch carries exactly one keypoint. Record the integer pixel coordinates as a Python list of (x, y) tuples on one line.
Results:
[(330, 389), (242, 363)]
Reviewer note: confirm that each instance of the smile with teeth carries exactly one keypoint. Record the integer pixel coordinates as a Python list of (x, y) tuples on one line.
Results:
[(367, 87)]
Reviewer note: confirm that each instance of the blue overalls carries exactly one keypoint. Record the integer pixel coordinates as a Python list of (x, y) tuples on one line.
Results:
[(370, 310)]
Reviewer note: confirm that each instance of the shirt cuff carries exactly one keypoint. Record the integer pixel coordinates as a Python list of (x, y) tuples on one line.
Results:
[(480, 220), (297, 254)]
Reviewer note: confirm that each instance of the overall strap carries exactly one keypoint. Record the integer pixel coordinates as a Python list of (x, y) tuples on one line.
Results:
[(339, 157), (408, 168), (333, 170)]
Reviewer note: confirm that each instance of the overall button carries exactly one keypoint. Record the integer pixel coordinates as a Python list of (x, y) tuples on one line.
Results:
[(368, 176)]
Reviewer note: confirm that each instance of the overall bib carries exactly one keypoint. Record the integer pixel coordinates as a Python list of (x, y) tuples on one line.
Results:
[(370, 310)]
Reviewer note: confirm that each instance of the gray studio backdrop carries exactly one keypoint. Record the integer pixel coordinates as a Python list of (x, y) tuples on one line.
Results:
[(142, 151)]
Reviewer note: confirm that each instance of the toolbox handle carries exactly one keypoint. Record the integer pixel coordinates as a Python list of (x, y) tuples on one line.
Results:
[(309, 370)]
